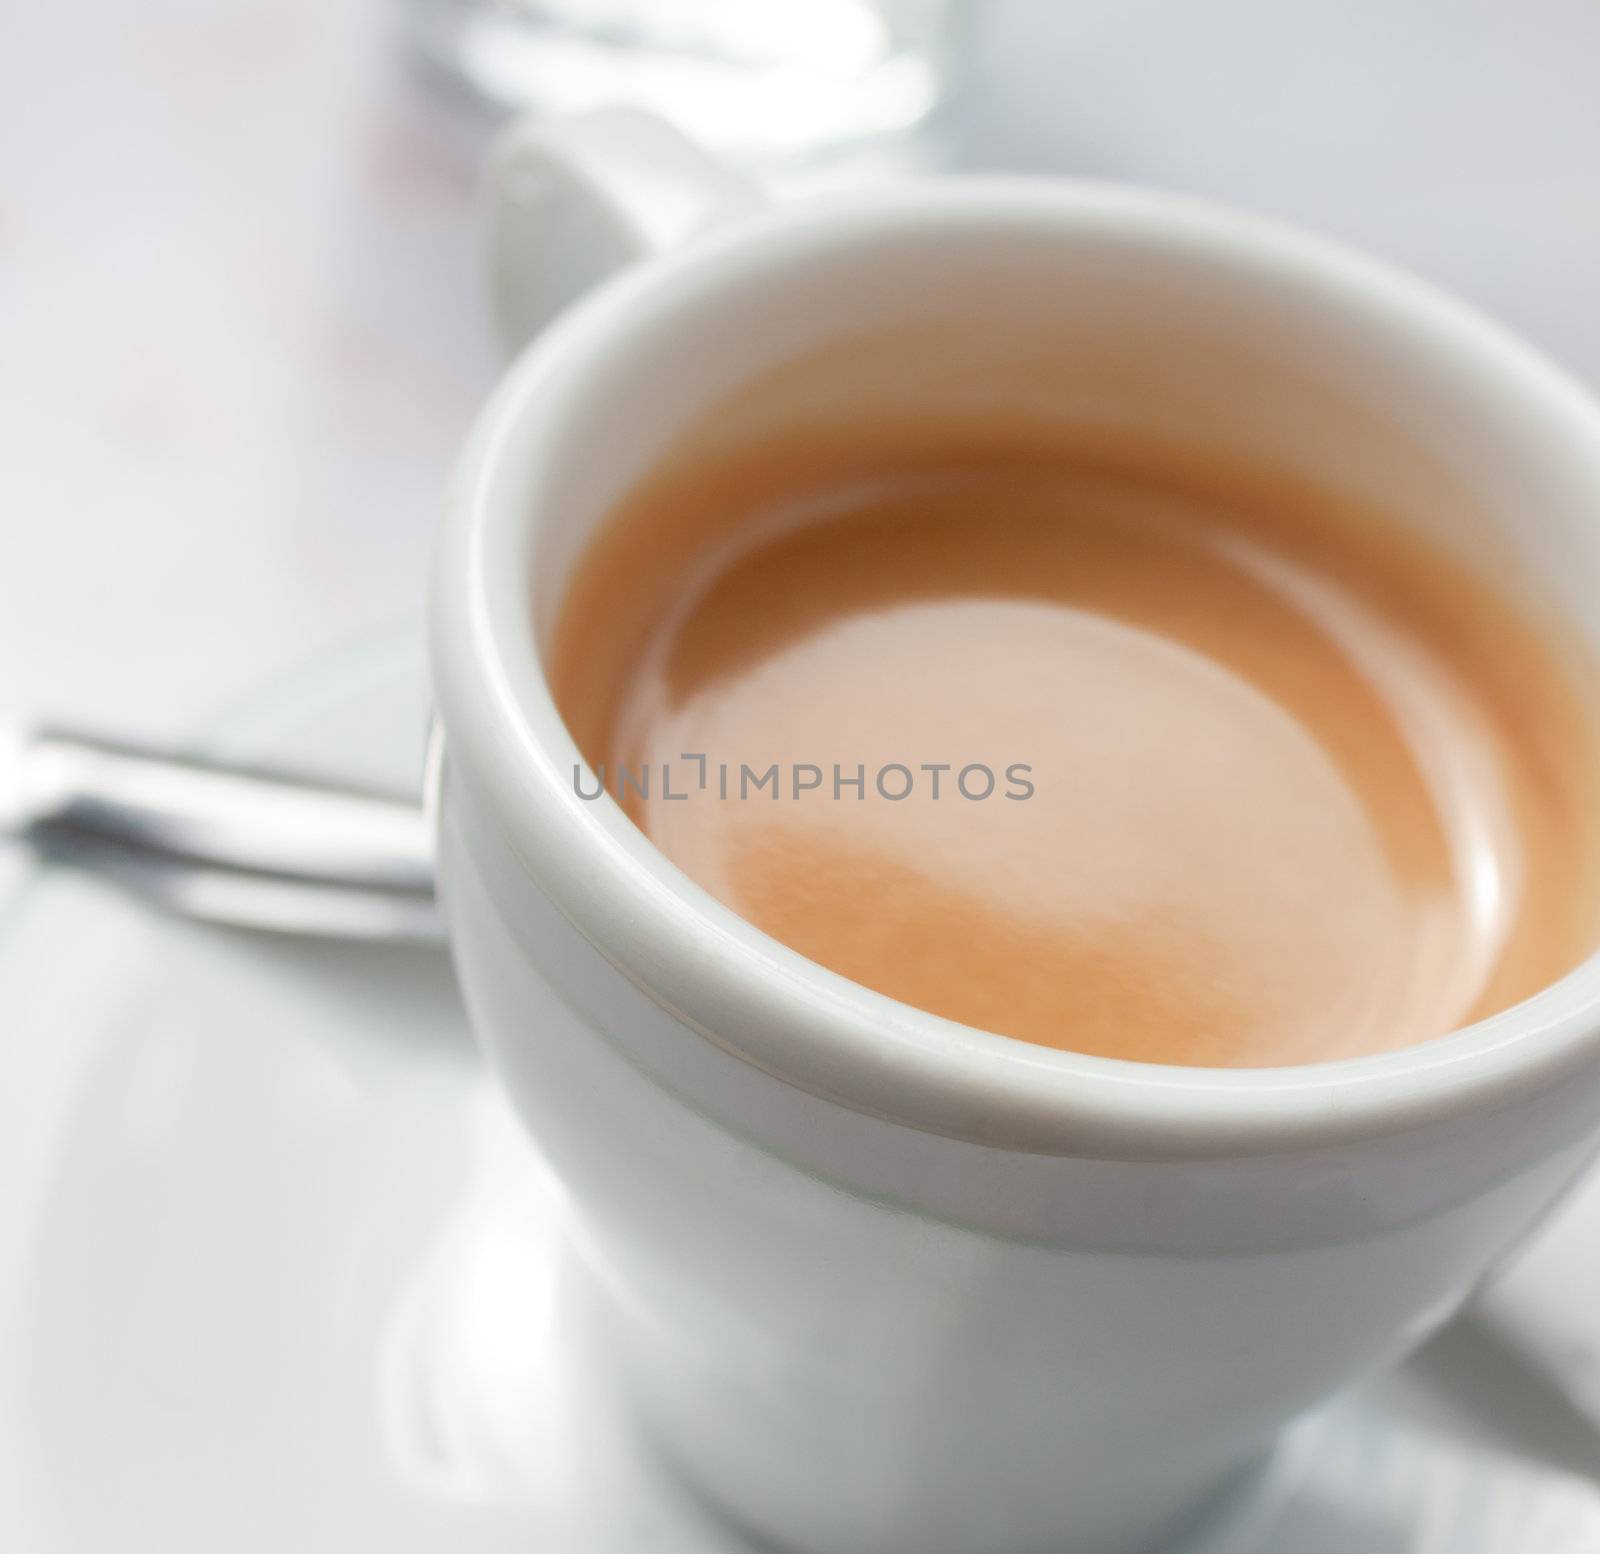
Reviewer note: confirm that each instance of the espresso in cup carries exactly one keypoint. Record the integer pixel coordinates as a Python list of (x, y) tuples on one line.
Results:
[(1121, 750)]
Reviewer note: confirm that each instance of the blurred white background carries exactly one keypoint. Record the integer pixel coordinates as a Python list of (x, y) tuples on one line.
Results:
[(240, 334)]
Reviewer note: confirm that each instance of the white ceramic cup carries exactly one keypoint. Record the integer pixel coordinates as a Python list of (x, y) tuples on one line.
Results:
[(880, 1282)]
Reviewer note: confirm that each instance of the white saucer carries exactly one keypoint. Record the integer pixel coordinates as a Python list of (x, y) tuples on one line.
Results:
[(277, 1272)]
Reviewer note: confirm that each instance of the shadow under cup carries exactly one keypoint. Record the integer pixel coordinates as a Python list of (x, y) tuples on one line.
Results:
[(881, 1282)]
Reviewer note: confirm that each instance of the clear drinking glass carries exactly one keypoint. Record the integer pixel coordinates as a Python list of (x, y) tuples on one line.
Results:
[(768, 82)]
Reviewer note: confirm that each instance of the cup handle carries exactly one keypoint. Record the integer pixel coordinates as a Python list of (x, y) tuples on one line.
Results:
[(569, 201)]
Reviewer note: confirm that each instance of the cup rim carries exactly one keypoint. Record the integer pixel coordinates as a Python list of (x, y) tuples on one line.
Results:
[(766, 1004)]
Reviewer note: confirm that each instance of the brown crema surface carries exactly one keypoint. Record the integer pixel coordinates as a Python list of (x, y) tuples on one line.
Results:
[(1299, 786)]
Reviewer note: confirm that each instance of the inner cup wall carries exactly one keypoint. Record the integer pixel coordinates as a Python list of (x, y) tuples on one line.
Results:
[(1102, 336)]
